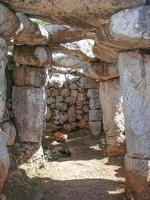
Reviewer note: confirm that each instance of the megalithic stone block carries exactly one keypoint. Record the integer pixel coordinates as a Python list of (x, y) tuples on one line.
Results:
[(38, 56), (113, 118), (84, 14), (4, 161), (101, 70), (29, 107), (2, 81), (134, 69), (31, 33), (133, 33), (31, 76), (9, 22)]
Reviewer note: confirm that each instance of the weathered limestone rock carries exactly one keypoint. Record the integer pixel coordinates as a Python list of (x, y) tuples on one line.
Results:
[(9, 22), (95, 115), (134, 71), (94, 103), (30, 76), (76, 12), (31, 33), (2, 81), (60, 117), (93, 93), (63, 60), (4, 161), (64, 34), (113, 118), (61, 106), (88, 83), (95, 127), (101, 70), (10, 132), (133, 33), (137, 173), (37, 56), (65, 92), (28, 106), (71, 114)]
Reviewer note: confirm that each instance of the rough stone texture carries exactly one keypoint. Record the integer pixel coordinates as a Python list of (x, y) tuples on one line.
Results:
[(9, 22), (94, 115), (133, 33), (10, 132), (88, 83), (93, 93), (76, 12), (68, 105), (134, 71), (37, 56), (31, 33), (63, 60), (30, 76), (2, 82), (94, 103), (101, 70), (95, 128), (28, 106), (113, 119), (4, 161), (137, 173)]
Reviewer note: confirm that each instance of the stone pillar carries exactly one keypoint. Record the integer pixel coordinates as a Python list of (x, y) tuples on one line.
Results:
[(95, 113), (28, 97), (134, 69), (113, 119), (4, 157)]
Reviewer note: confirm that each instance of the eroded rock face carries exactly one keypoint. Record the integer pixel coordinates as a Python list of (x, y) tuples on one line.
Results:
[(9, 22), (9, 131), (137, 173), (113, 119), (31, 33), (30, 76), (101, 70), (32, 55), (4, 161), (83, 13), (133, 33), (2, 80), (28, 106), (134, 71)]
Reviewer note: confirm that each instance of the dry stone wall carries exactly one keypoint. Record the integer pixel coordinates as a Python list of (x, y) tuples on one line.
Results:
[(73, 105)]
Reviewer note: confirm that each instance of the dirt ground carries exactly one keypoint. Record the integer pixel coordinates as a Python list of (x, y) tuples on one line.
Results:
[(82, 171)]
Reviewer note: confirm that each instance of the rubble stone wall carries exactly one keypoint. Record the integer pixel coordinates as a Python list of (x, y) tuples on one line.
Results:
[(73, 105)]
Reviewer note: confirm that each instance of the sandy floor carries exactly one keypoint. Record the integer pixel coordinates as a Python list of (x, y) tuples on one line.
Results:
[(86, 175)]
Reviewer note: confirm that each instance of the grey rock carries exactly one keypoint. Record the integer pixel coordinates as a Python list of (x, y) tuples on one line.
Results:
[(95, 115), (4, 161), (93, 93), (10, 132), (95, 127), (94, 103), (38, 56), (134, 69), (29, 108), (111, 99), (30, 76)]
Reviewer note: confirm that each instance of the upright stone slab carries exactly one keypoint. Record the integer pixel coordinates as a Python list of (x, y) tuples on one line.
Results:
[(113, 119), (28, 106), (2, 78), (31, 76), (134, 69), (4, 161)]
